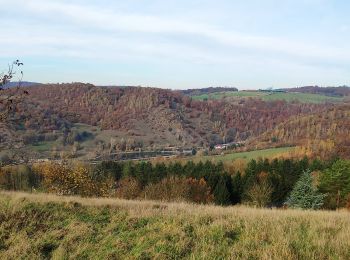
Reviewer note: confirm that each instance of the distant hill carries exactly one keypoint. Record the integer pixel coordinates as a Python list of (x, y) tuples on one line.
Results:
[(118, 86), (328, 91), (23, 84), (165, 116)]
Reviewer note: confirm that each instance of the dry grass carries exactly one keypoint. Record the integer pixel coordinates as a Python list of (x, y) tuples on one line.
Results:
[(40, 225)]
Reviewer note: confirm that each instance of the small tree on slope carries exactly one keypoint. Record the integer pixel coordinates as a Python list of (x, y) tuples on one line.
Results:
[(304, 195)]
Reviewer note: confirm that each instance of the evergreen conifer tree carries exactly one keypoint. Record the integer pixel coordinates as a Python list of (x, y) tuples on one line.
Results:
[(222, 194), (335, 182), (304, 195), (236, 188)]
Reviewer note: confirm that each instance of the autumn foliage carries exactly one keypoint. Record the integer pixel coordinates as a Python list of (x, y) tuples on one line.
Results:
[(128, 188), (262, 182), (179, 189), (71, 179), (58, 107)]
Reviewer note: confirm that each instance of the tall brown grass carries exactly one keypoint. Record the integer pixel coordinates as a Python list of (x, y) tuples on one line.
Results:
[(37, 225)]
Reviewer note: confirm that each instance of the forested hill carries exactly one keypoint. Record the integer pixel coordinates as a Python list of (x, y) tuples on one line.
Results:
[(85, 119), (159, 110), (20, 84), (326, 134)]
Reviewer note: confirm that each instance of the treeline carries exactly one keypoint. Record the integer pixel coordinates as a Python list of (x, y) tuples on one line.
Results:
[(263, 182), (328, 91)]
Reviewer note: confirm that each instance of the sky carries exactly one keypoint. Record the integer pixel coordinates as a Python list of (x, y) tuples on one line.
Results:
[(179, 44)]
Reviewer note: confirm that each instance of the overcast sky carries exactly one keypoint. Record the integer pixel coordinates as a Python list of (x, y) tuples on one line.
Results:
[(179, 43)]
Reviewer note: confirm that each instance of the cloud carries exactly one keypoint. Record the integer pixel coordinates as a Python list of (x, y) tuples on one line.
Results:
[(108, 20), (60, 29)]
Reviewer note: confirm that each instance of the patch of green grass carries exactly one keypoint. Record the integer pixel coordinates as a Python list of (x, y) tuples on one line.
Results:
[(42, 146), (266, 153), (219, 95), (84, 127), (266, 96), (301, 97)]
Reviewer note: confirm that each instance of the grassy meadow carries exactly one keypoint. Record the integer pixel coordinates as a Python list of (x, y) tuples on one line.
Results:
[(238, 94), (289, 97), (42, 226), (246, 156), (301, 97)]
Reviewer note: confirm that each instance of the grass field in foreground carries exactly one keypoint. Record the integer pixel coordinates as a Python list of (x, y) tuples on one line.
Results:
[(266, 153), (44, 226), (301, 97)]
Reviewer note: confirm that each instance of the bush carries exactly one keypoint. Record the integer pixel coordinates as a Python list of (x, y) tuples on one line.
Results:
[(128, 188), (179, 189), (4, 159), (199, 191), (260, 194)]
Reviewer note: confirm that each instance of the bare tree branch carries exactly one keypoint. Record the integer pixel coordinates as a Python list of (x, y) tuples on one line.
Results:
[(10, 97)]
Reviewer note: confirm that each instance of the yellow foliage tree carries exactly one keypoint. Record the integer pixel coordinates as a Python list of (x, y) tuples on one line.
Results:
[(72, 179)]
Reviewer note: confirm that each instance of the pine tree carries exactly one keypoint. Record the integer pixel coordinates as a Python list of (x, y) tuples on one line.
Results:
[(237, 188), (335, 182), (128, 170), (222, 194), (304, 195)]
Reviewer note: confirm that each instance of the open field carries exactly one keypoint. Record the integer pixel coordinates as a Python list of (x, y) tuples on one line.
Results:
[(266, 153), (42, 147), (301, 97), (238, 94), (39, 226)]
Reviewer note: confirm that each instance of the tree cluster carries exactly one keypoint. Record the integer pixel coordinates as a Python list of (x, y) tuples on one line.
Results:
[(262, 183)]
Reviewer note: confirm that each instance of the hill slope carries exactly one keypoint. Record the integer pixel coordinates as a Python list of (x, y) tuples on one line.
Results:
[(45, 226), (130, 118), (328, 131)]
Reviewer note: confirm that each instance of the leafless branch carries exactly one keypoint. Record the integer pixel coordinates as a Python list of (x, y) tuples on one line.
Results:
[(11, 97)]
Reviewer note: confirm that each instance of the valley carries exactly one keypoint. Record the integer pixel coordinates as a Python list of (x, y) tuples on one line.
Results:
[(90, 122), (175, 130)]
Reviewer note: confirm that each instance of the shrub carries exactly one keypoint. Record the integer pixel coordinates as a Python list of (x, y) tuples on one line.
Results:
[(179, 189), (260, 194), (128, 188), (199, 191), (4, 158)]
